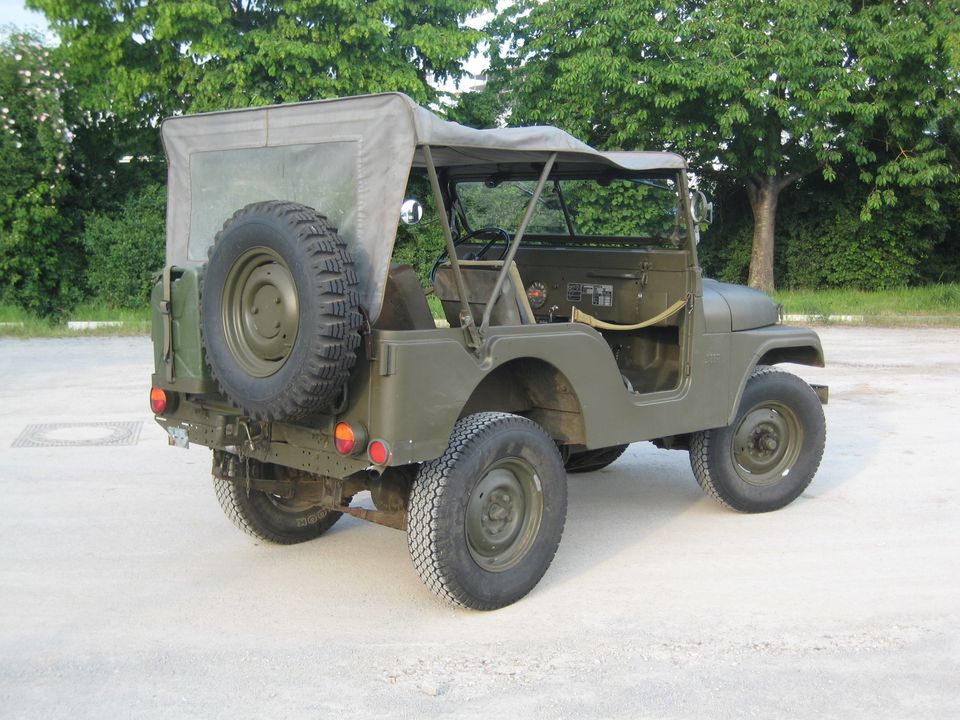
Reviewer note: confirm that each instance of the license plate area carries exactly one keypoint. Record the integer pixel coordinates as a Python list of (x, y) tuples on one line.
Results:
[(177, 437)]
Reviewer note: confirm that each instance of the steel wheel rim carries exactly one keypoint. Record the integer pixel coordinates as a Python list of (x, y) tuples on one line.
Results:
[(261, 311), (766, 444), (503, 514)]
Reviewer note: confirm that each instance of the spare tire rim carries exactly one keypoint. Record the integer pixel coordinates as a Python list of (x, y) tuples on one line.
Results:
[(766, 444), (503, 515), (261, 311)]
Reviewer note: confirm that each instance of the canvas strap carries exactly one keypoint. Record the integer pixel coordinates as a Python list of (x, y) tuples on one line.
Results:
[(582, 317)]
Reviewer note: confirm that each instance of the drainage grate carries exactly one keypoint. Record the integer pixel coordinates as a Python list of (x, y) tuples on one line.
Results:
[(79, 434)]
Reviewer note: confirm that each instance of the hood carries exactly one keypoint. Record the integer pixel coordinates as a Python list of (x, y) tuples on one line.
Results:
[(729, 307)]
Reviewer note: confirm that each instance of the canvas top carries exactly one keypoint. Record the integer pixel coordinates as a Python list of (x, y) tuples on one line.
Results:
[(348, 158)]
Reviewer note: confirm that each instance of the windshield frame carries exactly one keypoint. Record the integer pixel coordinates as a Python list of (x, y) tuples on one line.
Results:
[(530, 173)]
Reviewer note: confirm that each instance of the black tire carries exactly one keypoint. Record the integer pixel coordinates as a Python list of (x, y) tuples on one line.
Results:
[(591, 460), (467, 501), (768, 456), (279, 311), (275, 519)]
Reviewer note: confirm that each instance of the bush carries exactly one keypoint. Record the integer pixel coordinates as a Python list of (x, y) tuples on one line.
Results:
[(823, 242), (126, 248), (41, 262)]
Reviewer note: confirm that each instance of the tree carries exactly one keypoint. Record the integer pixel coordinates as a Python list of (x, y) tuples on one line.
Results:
[(144, 59), (126, 248), (40, 265), (760, 94)]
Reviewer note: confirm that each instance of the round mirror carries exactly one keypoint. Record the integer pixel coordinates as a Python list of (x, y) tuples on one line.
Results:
[(700, 208), (411, 211)]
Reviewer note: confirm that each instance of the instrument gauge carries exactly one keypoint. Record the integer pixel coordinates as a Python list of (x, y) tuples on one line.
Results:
[(537, 295)]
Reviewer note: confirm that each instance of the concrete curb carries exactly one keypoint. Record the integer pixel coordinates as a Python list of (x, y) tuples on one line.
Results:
[(93, 324), (824, 318)]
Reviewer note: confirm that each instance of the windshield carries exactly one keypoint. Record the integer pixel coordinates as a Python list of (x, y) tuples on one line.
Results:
[(640, 210)]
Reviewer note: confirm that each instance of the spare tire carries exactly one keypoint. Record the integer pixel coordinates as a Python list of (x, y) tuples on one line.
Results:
[(279, 311)]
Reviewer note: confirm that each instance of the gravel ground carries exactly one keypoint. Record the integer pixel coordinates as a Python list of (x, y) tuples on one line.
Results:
[(124, 592)]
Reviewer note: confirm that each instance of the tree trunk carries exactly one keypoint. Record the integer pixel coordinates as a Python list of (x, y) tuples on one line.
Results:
[(764, 193)]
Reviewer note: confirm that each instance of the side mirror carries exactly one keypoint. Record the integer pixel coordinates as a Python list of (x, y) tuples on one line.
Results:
[(700, 208), (411, 212)]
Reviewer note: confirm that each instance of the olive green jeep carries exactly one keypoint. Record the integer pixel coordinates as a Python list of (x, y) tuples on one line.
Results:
[(576, 322)]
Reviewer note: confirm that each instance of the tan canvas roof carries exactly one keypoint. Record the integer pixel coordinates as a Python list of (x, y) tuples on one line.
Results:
[(369, 144)]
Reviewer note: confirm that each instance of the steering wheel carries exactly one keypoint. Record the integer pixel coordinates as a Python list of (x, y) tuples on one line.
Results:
[(496, 233)]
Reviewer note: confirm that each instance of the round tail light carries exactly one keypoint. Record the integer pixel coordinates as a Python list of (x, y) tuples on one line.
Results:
[(379, 452), (345, 438), (158, 401)]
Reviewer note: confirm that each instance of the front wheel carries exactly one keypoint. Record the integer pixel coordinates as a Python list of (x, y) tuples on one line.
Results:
[(485, 518), (771, 451)]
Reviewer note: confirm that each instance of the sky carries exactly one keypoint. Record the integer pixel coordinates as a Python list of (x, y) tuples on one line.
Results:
[(12, 12)]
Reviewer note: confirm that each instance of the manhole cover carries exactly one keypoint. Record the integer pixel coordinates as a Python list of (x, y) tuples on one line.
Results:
[(78, 434)]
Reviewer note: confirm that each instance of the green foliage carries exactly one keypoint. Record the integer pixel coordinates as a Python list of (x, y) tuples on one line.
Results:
[(618, 208), (626, 209), (143, 60), (40, 260), (760, 94), (420, 245), (942, 265), (127, 65), (125, 249), (824, 242)]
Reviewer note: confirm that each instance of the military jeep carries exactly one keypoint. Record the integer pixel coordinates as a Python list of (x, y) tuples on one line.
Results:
[(576, 322)]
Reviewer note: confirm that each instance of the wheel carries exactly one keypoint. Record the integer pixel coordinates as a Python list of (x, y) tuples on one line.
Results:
[(485, 518), (269, 517), (495, 233), (770, 453), (590, 460), (279, 311)]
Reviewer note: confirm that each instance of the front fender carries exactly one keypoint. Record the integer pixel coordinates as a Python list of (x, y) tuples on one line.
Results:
[(769, 346)]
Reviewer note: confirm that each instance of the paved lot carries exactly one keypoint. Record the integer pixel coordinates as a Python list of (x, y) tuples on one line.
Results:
[(124, 592)]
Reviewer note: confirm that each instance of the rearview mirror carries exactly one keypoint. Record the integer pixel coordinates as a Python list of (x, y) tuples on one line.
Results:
[(700, 208), (411, 212)]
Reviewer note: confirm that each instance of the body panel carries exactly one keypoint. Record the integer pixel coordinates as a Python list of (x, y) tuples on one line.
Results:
[(415, 384)]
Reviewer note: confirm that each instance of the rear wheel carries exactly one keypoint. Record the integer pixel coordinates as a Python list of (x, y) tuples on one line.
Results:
[(285, 521), (485, 518), (771, 451)]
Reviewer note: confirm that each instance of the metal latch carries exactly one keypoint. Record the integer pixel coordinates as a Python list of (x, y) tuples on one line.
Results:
[(166, 310)]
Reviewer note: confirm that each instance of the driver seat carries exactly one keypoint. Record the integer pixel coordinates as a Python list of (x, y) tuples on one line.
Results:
[(480, 276), (404, 304)]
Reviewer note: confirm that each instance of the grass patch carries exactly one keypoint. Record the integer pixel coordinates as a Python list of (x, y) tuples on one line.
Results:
[(920, 306), (15, 322)]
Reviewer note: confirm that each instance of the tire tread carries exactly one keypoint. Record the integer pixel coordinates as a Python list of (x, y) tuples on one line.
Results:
[(332, 354), (700, 446), (426, 529)]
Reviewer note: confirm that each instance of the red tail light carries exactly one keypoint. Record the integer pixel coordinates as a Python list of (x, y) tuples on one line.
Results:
[(344, 438), (379, 452), (158, 401)]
